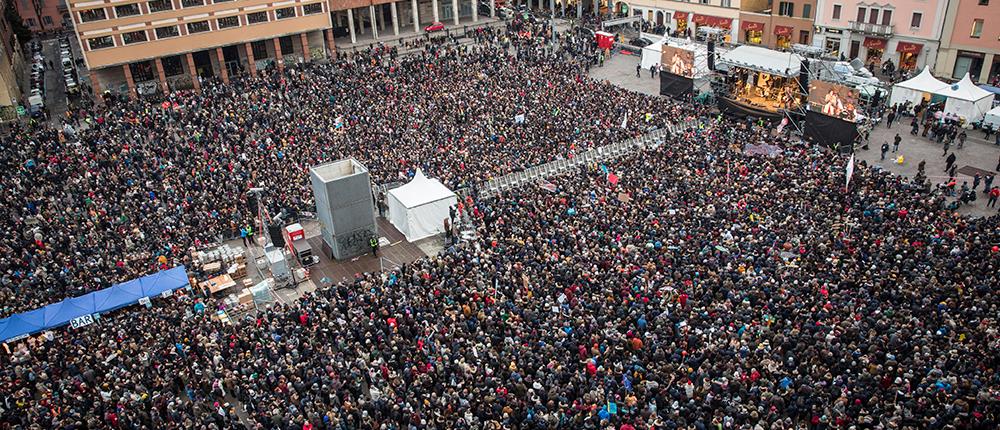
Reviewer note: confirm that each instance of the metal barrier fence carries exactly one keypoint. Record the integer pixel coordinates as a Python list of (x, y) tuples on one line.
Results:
[(613, 151)]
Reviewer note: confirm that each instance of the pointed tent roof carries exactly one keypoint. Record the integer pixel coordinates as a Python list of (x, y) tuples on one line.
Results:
[(924, 82), (420, 191), (966, 90)]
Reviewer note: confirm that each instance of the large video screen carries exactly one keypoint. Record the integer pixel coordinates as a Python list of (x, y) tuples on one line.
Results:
[(677, 61), (833, 100)]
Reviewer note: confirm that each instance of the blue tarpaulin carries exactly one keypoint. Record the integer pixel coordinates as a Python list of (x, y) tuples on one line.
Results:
[(108, 299)]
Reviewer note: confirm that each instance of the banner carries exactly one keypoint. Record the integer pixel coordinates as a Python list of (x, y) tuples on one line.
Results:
[(850, 171)]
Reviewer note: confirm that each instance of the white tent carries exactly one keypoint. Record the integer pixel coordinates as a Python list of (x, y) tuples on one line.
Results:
[(967, 100), (992, 118), (915, 89), (763, 59), (418, 208)]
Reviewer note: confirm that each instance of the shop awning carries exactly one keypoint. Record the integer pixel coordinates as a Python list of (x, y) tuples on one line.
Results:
[(875, 43), (752, 26), (783, 30), (909, 48), (712, 21)]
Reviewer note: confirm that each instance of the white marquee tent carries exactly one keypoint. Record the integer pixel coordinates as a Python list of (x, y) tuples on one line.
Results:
[(992, 118), (917, 88), (418, 208), (967, 100)]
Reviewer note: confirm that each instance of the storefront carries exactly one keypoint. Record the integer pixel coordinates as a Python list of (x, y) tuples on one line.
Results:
[(783, 37), (968, 62), (833, 46), (875, 48), (908, 53), (753, 32), (682, 22)]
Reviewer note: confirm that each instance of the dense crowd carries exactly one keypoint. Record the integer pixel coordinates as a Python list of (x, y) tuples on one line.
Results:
[(707, 287), (143, 181)]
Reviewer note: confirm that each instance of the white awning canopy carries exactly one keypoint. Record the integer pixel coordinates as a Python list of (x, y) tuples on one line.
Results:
[(764, 60)]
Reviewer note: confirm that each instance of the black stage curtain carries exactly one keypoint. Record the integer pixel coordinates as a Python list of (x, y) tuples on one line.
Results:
[(829, 131), (735, 108), (676, 86)]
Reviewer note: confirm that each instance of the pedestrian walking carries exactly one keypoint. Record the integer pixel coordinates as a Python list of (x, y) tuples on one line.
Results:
[(950, 161), (638, 70), (895, 143), (890, 119), (994, 194), (976, 180), (885, 148)]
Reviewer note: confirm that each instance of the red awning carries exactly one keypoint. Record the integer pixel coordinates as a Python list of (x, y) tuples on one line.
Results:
[(782, 30), (752, 26), (909, 48), (874, 43), (712, 21)]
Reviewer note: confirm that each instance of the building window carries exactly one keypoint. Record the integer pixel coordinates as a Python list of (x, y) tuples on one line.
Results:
[(285, 12), (977, 28), (915, 21), (804, 37), (861, 14), (984, 2), (101, 42), (873, 16), (259, 49), (886, 17), (47, 20), (786, 8), (229, 22), (704, 1), (836, 11), (127, 10), (192, 3), (256, 17), (160, 6), (806, 10), (30, 22), (167, 32), (727, 3), (92, 15), (198, 27), (312, 8), (172, 66), (287, 46), (134, 37)]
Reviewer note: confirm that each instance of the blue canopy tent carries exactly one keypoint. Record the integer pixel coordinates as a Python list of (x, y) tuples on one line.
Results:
[(108, 299)]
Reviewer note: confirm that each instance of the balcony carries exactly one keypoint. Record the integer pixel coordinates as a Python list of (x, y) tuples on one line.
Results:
[(873, 29)]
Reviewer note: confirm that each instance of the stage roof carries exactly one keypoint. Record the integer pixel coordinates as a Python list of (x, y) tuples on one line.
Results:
[(764, 60)]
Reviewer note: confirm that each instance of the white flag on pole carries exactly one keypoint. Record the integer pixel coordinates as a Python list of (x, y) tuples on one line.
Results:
[(625, 121), (850, 171)]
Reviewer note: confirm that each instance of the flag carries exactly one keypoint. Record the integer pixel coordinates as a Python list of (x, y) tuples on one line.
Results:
[(784, 122), (613, 178), (519, 118), (625, 121), (850, 171)]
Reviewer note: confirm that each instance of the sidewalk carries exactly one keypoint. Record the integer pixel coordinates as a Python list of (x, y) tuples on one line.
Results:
[(976, 156)]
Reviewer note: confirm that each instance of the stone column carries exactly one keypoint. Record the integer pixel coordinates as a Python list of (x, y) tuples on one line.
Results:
[(434, 4), (984, 73), (278, 56), (493, 8), (331, 47), (161, 76), (597, 7), (562, 6), (350, 25), (475, 10), (194, 72), (305, 47), (395, 18), (454, 7), (579, 9), (252, 64), (416, 16), (129, 81), (378, 19), (221, 58), (371, 16), (95, 86)]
